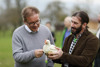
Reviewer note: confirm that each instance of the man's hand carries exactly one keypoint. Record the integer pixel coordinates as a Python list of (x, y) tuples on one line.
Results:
[(56, 55), (38, 53)]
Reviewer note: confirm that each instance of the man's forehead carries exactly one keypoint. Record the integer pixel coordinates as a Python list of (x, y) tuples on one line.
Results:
[(75, 18), (35, 16)]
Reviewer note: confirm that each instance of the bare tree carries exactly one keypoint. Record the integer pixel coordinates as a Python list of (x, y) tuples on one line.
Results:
[(11, 16), (19, 5), (55, 12)]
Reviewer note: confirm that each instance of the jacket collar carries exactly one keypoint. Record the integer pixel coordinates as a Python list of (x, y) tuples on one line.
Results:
[(81, 39)]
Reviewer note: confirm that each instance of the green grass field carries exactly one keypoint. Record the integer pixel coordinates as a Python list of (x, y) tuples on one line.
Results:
[(6, 59)]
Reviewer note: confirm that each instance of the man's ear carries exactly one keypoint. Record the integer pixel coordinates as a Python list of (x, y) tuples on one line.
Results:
[(84, 25)]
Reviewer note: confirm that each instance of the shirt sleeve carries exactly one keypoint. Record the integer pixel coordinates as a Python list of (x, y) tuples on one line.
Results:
[(98, 33), (18, 53), (51, 39)]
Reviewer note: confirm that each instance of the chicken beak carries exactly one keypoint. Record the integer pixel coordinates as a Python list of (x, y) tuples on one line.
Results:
[(45, 42)]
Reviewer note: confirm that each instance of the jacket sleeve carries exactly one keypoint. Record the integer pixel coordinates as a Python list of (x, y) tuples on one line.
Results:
[(18, 53), (51, 38), (87, 55)]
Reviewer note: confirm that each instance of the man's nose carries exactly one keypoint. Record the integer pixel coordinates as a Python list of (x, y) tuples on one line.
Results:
[(72, 24), (35, 24)]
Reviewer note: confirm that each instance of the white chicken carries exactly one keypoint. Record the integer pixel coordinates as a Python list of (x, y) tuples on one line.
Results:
[(48, 48)]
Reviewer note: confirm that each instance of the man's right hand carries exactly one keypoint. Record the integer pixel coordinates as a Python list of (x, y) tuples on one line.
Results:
[(38, 53)]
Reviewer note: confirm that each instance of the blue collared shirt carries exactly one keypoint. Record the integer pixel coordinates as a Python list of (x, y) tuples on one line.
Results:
[(30, 31)]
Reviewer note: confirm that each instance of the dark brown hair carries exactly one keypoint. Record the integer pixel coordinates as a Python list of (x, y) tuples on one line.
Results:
[(82, 16)]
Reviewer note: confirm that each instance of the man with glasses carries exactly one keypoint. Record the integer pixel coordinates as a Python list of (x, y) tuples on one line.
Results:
[(81, 47), (28, 41)]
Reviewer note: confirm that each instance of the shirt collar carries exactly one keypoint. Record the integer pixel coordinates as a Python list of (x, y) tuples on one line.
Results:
[(28, 29), (78, 36)]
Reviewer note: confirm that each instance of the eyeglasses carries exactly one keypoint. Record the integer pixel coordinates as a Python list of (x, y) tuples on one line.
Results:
[(36, 22)]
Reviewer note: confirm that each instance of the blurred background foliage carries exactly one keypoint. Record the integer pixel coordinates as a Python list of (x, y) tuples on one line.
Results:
[(55, 12)]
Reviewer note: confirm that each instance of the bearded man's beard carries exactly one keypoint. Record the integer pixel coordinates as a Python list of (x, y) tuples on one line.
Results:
[(77, 30)]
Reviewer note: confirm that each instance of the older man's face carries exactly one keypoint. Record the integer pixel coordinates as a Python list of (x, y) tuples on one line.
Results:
[(33, 22)]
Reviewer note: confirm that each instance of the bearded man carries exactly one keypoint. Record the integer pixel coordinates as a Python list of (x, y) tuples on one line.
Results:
[(81, 47)]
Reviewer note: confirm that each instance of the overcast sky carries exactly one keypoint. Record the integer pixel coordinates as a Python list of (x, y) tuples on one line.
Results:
[(41, 4)]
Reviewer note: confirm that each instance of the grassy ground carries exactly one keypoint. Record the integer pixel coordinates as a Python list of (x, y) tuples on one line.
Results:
[(58, 43), (6, 59)]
